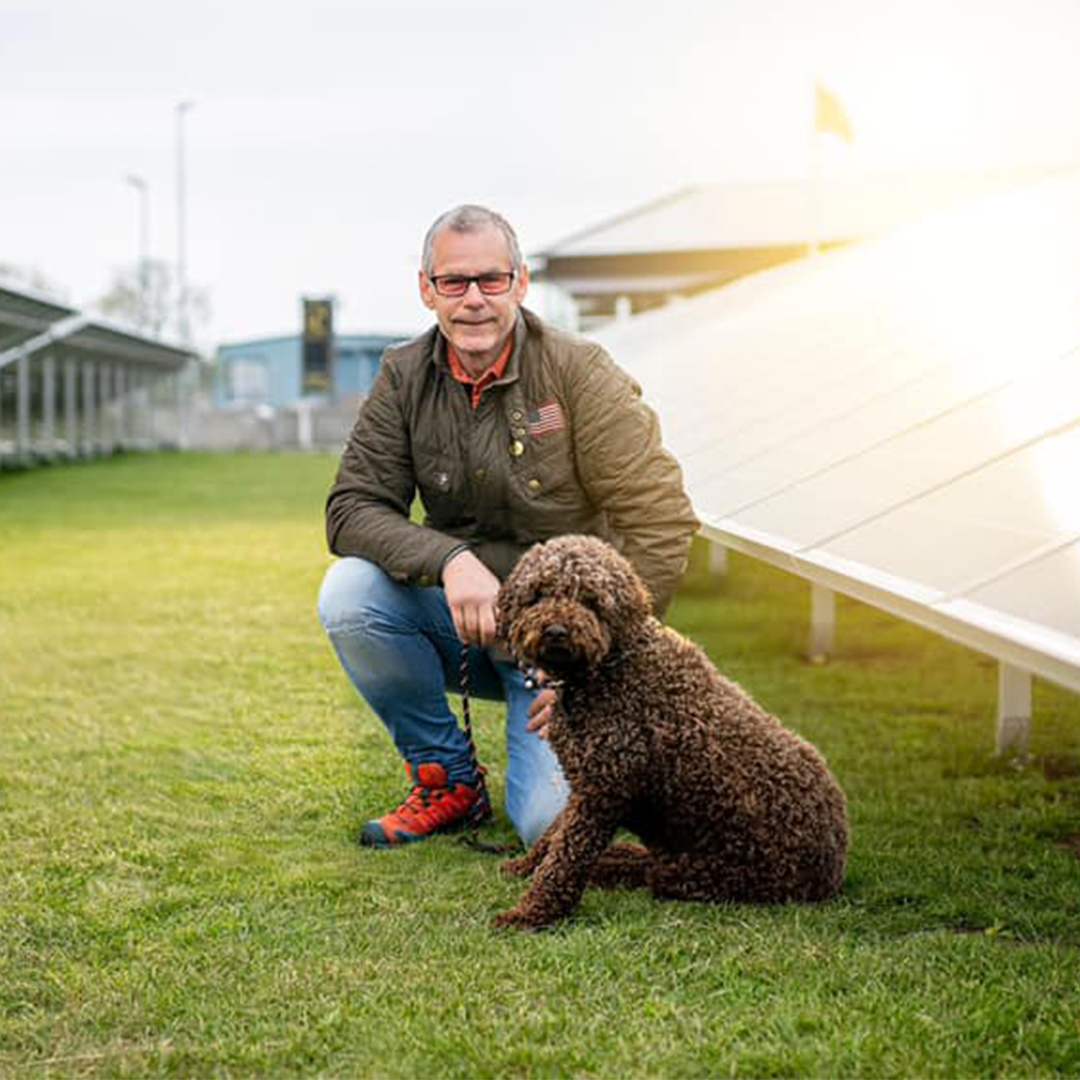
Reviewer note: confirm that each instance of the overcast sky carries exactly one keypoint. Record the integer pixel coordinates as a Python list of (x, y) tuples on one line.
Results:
[(326, 136)]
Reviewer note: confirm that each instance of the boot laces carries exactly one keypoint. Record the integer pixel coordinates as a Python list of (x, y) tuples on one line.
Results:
[(424, 802)]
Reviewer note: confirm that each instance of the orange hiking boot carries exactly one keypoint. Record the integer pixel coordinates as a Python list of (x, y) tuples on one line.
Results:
[(433, 806)]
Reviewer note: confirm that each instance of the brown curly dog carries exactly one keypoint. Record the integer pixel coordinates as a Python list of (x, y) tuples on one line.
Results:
[(652, 738)]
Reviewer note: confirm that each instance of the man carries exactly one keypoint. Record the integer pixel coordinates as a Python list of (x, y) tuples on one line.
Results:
[(512, 432)]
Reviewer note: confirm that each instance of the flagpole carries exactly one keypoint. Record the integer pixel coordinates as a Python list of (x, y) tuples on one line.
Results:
[(829, 116), (815, 174)]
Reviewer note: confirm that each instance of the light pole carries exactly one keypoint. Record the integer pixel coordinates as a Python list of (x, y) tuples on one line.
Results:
[(140, 185), (182, 323)]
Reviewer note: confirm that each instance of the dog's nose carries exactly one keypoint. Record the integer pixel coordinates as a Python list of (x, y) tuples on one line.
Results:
[(555, 634)]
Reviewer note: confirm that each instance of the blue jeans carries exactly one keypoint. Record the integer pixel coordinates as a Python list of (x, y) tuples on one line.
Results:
[(398, 645)]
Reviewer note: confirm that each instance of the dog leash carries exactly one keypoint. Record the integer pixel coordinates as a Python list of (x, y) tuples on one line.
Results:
[(472, 838)]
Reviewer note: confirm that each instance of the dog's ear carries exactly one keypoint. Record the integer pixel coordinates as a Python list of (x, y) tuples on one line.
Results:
[(507, 605), (623, 599), (517, 591)]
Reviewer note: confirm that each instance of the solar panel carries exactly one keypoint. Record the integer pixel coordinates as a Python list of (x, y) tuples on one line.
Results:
[(899, 420)]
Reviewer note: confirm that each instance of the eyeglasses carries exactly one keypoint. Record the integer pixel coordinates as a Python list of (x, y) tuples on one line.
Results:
[(493, 284)]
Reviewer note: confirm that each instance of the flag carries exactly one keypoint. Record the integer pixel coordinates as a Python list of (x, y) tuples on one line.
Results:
[(546, 418), (829, 114)]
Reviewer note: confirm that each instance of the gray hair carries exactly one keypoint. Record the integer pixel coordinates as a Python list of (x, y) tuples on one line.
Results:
[(467, 219)]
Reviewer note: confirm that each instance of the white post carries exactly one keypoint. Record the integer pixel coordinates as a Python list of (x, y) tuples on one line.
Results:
[(106, 413), (185, 408), (48, 405), (90, 437), (304, 426), (822, 623), (1014, 710), (143, 188), (813, 247), (22, 408), (120, 388), (183, 326), (71, 407), (718, 560)]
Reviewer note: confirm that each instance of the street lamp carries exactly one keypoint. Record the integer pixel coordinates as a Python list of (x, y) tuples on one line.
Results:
[(182, 322), (140, 185)]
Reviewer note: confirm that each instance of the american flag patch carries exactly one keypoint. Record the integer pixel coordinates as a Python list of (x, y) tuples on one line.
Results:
[(545, 419)]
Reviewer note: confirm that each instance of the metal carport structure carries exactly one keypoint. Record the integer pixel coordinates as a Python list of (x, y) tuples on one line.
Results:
[(72, 386)]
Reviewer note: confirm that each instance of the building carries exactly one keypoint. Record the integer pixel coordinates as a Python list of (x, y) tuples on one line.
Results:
[(269, 371)]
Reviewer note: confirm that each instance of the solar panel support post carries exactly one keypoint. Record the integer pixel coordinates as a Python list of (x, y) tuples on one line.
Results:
[(822, 623), (1014, 711), (718, 560)]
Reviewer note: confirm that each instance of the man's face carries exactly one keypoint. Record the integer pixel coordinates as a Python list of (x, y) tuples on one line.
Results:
[(476, 324)]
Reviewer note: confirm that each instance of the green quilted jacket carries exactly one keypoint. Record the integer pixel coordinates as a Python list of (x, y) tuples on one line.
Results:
[(562, 443)]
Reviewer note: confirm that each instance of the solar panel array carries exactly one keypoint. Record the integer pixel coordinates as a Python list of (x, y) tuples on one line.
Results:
[(899, 421)]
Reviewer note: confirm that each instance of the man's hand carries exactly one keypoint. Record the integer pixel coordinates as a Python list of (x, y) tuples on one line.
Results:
[(471, 589), (541, 708)]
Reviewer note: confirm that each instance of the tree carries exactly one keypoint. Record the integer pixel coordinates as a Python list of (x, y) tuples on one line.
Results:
[(29, 277), (144, 296)]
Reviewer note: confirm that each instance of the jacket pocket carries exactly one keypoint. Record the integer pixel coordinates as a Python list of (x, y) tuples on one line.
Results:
[(439, 480), (547, 477)]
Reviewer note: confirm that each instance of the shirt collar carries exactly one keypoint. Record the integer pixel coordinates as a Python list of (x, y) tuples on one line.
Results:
[(504, 369)]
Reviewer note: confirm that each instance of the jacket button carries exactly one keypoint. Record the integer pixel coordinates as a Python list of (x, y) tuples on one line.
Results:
[(535, 485), (480, 474), (516, 414), (517, 448), (519, 432)]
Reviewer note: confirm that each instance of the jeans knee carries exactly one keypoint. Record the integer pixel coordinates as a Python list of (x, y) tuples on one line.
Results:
[(532, 811), (531, 823), (346, 588)]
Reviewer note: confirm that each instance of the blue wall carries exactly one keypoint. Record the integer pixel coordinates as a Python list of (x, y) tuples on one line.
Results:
[(267, 371)]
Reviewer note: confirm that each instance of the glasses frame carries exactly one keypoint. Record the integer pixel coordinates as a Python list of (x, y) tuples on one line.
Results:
[(470, 279)]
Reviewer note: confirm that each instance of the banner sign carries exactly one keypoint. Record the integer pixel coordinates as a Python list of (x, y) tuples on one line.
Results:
[(318, 346)]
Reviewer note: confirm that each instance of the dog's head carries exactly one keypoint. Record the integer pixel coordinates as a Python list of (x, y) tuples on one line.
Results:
[(569, 603)]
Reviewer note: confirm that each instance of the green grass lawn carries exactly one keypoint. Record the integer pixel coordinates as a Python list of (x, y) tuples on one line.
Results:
[(183, 770)]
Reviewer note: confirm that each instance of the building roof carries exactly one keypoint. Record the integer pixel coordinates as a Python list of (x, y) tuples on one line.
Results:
[(24, 314), (30, 323), (340, 337), (723, 217)]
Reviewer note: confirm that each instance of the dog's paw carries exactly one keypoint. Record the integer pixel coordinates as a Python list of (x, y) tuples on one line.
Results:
[(519, 867), (517, 919)]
